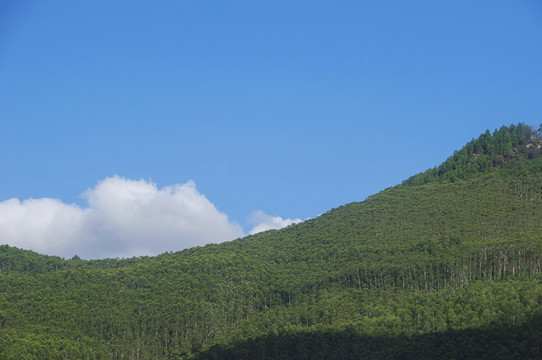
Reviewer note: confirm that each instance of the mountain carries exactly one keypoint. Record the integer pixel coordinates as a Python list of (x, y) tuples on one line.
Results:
[(445, 265), (509, 150)]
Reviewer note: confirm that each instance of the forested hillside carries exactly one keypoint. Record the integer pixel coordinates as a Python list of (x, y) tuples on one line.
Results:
[(446, 265), (508, 151)]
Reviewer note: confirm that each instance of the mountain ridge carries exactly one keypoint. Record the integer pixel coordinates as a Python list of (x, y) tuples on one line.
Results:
[(507, 148)]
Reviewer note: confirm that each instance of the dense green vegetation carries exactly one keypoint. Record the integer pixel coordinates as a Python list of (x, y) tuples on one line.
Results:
[(486, 342), (446, 265), (508, 151)]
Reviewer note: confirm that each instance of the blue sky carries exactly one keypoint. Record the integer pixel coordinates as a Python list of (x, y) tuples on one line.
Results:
[(282, 109)]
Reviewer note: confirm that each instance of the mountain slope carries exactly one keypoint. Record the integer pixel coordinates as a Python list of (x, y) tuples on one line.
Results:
[(509, 150), (418, 261)]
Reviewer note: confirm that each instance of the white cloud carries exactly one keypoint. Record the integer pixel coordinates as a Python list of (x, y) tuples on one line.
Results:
[(43, 225), (124, 218), (263, 222)]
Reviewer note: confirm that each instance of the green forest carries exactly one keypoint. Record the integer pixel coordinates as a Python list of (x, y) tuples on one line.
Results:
[(446, 265)]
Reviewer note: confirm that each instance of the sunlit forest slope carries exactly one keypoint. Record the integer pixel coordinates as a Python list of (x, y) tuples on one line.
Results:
[(446, 265)]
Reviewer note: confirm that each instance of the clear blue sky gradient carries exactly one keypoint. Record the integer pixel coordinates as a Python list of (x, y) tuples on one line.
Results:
[(290, 107)]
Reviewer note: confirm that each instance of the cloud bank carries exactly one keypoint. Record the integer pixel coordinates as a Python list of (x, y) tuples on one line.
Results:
[(263, 222), (124, 218)]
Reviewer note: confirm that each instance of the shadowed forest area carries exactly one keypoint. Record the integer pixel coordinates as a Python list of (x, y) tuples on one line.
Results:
[(490, 342)]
